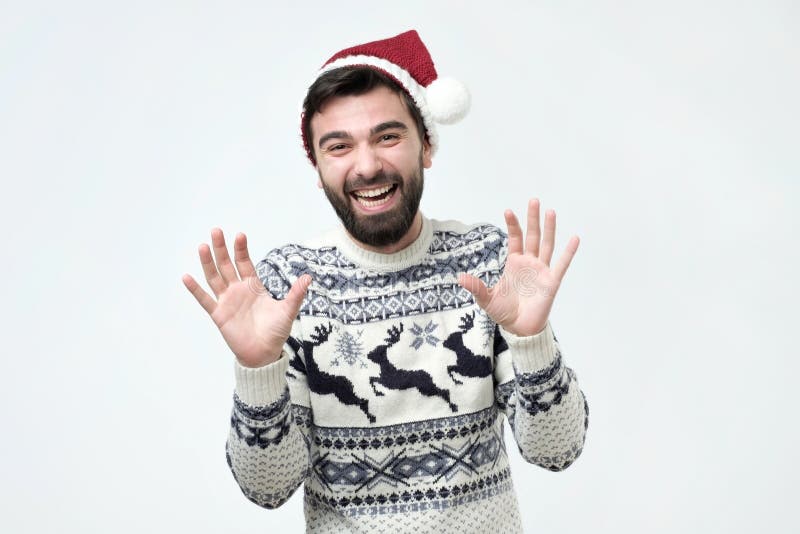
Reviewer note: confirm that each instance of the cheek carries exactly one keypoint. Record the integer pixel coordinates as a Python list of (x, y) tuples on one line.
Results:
[(333, 174), (407, 164)]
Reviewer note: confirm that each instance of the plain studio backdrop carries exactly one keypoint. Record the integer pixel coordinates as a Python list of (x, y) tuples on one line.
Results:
[(665, 135)]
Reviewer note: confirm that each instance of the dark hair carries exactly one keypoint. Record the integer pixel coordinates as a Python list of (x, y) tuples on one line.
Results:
[(349, 81)]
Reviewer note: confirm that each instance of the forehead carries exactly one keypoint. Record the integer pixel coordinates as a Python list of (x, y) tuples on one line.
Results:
[(356, 114)]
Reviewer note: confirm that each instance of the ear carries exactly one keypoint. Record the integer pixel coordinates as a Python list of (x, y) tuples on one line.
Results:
[(319, 183), (427, 161)]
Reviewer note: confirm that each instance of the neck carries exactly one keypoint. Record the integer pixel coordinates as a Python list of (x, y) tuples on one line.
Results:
[(403, 242)]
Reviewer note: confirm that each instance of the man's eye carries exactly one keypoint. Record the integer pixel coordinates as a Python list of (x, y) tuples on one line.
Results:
[(389, 137), (334, 148)]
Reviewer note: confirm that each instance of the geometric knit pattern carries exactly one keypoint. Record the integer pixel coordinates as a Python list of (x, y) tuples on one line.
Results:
[(391, 414)]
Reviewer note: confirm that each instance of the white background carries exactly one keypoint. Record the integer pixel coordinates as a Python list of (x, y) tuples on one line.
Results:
[(665, 135)]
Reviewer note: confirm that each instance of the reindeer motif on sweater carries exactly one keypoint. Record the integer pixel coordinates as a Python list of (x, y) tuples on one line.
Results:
[(323, 383), (391, 377), (468, 364)]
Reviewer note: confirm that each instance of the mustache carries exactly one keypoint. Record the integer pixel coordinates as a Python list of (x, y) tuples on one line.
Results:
[(378, 180)]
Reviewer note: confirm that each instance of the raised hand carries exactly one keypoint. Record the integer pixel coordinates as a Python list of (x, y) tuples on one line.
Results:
[(254, 325), (521, 300)]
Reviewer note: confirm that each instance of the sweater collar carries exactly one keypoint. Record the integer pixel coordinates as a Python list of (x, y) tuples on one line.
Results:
[(377, 261)]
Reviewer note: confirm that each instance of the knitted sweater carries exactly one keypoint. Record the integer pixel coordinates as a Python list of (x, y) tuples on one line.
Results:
[(388, 398)]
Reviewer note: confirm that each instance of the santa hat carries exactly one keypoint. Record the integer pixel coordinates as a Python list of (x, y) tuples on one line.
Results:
[(406, 59)]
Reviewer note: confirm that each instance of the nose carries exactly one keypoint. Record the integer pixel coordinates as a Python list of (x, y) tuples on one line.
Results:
[(367, 163)]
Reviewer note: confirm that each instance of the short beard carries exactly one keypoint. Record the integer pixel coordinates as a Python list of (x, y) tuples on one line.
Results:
[(384, 228)]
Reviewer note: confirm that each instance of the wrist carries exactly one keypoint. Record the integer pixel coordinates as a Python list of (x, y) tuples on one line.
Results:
[(250, 363), (527, 331), (262, 360)]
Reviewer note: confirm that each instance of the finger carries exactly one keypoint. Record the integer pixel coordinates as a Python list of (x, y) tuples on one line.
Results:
[(243, 262), (215, 281), (548, 242), (475, 286), (224, 264), (533, 234), (563, 262), (514, 233), (205, 300), (294, 298)]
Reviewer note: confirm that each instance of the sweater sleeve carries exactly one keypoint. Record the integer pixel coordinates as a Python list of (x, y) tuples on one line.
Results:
[(268, 443), (539, 394)]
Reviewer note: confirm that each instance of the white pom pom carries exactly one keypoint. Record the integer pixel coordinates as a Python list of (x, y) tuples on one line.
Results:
[(448, 100)]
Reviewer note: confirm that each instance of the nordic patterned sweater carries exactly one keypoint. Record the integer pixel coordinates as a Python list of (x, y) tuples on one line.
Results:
[(388, 398)]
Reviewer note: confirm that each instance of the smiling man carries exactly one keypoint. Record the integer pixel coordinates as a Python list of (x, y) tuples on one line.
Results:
[(370, 157), (375, 364)]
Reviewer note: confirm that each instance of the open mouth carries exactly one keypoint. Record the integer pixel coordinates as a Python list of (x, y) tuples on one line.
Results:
[(372, 198)]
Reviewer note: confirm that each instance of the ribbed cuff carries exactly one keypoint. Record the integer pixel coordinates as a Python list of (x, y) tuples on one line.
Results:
[(261, 386), (531, 353)]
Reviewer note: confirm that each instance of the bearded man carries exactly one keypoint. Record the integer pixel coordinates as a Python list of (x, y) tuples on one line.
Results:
[(375, 364)]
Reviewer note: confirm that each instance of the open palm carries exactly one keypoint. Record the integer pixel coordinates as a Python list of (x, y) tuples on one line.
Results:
[(521, 300), (254, 325)]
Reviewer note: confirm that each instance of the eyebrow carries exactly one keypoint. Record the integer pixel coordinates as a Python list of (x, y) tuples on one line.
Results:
[(388, 125), (339, 134), (382, 127)]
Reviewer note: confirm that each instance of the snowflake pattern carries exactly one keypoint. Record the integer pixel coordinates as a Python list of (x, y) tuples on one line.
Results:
[(350, 349), (487, 327), (424, 335)]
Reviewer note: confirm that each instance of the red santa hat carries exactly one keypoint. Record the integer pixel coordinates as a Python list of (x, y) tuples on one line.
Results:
[(406, 59)]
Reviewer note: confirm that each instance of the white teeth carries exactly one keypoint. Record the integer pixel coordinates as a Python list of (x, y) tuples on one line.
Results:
[(373, 192), (373, 203)]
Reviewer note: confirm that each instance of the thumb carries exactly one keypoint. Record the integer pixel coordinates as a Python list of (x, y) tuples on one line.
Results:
[(294, 299), (475, 286)]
